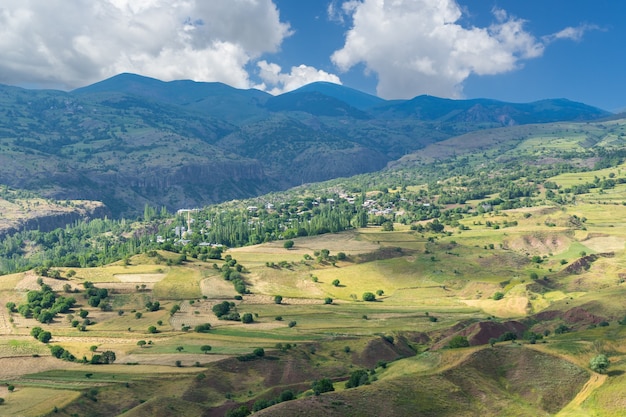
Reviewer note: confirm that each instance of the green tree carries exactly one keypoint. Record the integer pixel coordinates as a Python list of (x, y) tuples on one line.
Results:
[(600, 364), (458, 341), (369, 296), (260, 352), (180, 348), (152, 329), (205, 348), (247, 318), (288, 244), (321, 386), (278, 299), (141, 343), (328, 300), (357, 378), (336, 283)]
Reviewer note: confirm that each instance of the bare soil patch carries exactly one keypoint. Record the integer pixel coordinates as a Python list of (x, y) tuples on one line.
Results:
[(538, 243), (14, 367), (29, 282)]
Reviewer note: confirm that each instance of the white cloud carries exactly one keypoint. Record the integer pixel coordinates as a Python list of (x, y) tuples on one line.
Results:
[(419, 47), (277, 82), (571, 33), (68, 44)]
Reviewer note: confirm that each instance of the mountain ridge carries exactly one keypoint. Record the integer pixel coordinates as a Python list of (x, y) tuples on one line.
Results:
[(131, 140)]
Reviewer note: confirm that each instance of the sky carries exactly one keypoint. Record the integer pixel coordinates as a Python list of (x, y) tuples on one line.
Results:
[(510, 50)]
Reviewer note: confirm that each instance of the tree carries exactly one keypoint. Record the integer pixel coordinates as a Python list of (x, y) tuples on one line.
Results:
[(387, 226), (323, 385), (202, 328), (247, 318), (44, 336), (357, 378), (458, 342), (288, 244), (369, 296), (260, 352), (379, 292), (93, 348), (152, 329), (328, 300), (336, 283), (141, 343), (278, 299), (180, 348), (108, 356), (205, 348), (600, 364)]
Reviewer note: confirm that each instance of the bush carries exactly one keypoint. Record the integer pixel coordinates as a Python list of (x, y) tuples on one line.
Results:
[(458, 342), (498, 296), (288, 244), (278, 299), (292, 323), (336, 283), (202, 328), (600, 364), (260, 352), (328, 300), (369, 296), (247, 318), (358, 378), (323, 385)]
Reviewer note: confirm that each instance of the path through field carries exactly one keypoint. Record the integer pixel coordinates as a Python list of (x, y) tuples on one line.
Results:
[(594, 382)]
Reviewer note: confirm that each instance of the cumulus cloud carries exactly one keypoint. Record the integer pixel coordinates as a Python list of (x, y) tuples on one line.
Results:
[(420, 47), (68, 44), (277, 82)]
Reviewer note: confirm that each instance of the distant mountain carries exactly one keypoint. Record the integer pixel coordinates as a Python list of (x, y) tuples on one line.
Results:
[(354, 98), (131, 140)]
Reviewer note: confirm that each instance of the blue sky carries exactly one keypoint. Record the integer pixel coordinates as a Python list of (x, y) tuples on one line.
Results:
[(509, 50)]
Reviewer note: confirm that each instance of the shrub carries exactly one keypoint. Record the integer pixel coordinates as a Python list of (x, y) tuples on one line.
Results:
[(458, 342), (323, 385), (260, 352), (202, 328), (328, 300), (369, 296), (292, 323), (247, 318), (600, 364), (278, 299), (498, 296), (357, 378)]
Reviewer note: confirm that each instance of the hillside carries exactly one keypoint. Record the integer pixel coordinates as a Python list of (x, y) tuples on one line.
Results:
[(132, 140), (482, 275)]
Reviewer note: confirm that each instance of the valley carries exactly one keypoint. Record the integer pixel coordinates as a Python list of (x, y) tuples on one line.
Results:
[(472, 267)]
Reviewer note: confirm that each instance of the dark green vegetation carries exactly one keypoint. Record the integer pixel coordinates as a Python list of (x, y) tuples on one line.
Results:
[(131, 140)]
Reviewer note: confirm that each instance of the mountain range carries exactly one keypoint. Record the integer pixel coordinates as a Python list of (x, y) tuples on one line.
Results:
[(131, 140)]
